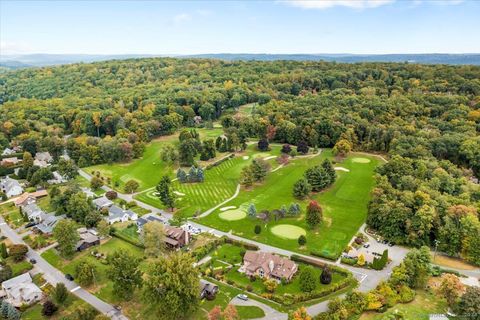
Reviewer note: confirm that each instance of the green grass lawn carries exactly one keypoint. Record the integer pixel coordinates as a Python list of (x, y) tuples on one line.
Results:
[(11, 214), (222, 299), (19, 268), (344, 206), (228, 253), (128, 230), (64, 310), (424, 304), (220, 184), (147, 170)]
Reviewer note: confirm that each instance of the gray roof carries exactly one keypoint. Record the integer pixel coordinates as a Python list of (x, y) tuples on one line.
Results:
[(48, 222), (102, 202), (8, 183), (32, 210), (115, 212), (43, 156), (23, 278), (144, 220)]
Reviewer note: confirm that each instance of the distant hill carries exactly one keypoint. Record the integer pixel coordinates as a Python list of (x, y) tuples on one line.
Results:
[(40, 60), (353, 58)]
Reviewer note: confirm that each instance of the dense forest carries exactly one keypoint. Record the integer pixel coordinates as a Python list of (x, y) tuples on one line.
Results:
[(425, 118)]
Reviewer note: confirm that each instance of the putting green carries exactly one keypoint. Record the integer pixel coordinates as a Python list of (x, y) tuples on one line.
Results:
[(288, 231), (233, 215), (360, 160)]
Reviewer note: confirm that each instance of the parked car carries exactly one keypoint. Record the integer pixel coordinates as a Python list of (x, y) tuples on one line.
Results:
[(69, 276), (33, 261), (391, 244), (242, 297), (366, 245)]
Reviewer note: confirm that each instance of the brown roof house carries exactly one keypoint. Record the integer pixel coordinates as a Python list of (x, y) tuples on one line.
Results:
[(175, 237), (268, 265)]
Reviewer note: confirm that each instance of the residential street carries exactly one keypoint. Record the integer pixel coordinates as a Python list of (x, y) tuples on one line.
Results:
[(54, 276), (270, 313)]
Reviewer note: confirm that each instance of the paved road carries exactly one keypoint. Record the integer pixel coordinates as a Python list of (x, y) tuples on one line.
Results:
[(270, 313), (54, 276)]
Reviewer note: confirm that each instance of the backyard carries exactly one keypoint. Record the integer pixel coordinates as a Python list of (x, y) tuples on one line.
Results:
[(344, 207)]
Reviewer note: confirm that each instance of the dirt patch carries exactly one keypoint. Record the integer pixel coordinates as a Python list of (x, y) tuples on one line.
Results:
[(455, 263)]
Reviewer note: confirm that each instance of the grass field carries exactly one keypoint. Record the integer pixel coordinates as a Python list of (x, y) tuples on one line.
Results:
[(147, 170), (344, 206), (219, 185), (11, 214)]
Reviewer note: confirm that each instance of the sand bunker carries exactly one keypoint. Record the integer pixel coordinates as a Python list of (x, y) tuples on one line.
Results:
[(341, 169), (227, 208), (245, 157), (178, 193)]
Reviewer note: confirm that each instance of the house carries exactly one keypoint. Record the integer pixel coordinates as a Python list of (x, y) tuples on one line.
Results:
[(10, 187), (102, 202), (28, 198), (354, 254), (10, 162), (268, 265), (207, 290), (21, 291), (146, 219), (57, 178), (117, 214), (44, 156), (175, 237), (33, 212), (48, 223), (88, 238), (88, 192), (8, 152)]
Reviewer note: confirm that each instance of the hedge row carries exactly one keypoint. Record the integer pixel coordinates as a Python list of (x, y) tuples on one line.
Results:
[(202, 251), (289, 299), (320, 264), (324, 255), (239, 243)]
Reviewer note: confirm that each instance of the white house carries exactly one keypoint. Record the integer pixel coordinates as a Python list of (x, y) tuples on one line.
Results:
[(117, 214), (33, 212), (8, 152), (57, 178), (10, 187), (21, 290)]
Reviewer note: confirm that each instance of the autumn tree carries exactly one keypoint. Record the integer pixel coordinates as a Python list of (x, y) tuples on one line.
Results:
[(153, 236), (451, 288), (125, 273), (171, 286), (314, 214)]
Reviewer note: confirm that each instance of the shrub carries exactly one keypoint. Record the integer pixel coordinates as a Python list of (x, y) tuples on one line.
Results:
[(131, 186), (257, 229), (307, 281), (17, 251), (49, 308), (302, 240), (111, 195), (326, 276), (286, 148)]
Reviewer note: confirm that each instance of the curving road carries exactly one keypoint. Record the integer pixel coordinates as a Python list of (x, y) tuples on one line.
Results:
[(54, 276)]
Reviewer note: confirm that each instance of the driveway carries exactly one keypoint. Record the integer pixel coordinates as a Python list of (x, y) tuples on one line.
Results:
[(270, 313), (54, 276)]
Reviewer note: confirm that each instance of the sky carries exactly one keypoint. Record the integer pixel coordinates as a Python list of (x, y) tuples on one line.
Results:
[(194, 27)]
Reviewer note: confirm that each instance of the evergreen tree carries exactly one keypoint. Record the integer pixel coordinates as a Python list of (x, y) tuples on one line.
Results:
[(3, 250), (192, 174), (200, 175), (5, 306), (252, 211), (165, 193), (13, 313), (218, 143), (294, 209), (181, 175), (317, 178), (329, 170), (314, 214), (259, 169), (60, 293), (302, 240), (246, 177), (301, 189), (257, 229)]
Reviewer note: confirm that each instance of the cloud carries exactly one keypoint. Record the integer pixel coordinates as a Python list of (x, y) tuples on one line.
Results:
[(181, 17), (325, 4), (204, 13)]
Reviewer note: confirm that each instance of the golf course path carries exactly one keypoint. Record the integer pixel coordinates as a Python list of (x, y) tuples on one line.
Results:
[(206, 213), (270, 313)]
